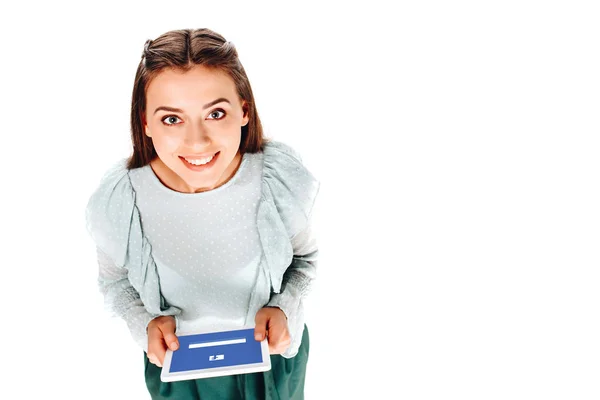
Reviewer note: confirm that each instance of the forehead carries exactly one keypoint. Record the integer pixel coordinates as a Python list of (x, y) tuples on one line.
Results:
[(199, 84)]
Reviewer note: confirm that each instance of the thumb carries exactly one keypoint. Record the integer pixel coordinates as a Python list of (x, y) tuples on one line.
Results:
[(170, 339), (261, 325)]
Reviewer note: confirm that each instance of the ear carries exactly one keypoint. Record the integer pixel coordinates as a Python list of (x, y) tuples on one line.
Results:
[(145, 127), (246, 117)]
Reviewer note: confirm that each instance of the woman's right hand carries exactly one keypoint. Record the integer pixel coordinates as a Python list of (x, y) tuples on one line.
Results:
[(161, 332)]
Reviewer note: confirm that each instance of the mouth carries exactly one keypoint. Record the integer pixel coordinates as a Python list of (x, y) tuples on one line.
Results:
[(202, 167)]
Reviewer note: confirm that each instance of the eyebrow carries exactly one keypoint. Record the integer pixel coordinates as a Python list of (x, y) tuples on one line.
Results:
[(211, 103)]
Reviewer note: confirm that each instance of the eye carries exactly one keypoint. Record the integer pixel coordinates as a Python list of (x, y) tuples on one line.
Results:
[(217, 112), (169, 118)]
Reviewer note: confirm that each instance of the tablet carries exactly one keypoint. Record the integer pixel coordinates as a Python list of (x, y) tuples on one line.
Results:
[(205, 355)]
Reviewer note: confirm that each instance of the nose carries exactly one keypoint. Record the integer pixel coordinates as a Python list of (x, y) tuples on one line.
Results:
[(197, 136)]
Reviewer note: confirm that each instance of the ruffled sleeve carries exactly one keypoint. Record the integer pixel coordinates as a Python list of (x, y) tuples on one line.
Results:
[(284, 221), (113, 222)]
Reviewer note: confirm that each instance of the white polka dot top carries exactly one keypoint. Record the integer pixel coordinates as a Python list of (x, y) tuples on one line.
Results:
[(212, 259), (205, 245)]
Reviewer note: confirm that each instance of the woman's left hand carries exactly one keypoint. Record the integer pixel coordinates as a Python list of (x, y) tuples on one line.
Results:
[(272, 321)]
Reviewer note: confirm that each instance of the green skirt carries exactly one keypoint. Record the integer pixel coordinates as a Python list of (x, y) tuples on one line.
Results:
[(284, 381)]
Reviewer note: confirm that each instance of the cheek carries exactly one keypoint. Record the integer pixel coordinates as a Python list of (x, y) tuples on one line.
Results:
[(166, 142), (231, 126), (233, 133)]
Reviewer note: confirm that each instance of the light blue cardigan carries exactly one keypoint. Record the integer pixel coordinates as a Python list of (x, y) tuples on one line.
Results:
[(289, 268)]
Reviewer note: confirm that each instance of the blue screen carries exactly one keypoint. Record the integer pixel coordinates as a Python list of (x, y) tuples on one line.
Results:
[(209, 353)]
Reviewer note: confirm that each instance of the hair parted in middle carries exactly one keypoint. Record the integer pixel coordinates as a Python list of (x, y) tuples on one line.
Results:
[(184, 49)]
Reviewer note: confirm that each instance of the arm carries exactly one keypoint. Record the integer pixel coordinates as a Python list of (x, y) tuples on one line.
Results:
[(122, 299), (296, 284)]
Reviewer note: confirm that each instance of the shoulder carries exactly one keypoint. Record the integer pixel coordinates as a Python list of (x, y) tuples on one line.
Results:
[(283, 161), (114, 182), (279, 149), (110, 205), (289, 183), (116, 173)]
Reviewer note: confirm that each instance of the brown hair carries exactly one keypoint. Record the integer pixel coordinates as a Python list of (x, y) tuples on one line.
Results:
[(183, 49)]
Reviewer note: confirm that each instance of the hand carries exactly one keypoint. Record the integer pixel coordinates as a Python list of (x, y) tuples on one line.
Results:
[(272, 322), (161, 331)]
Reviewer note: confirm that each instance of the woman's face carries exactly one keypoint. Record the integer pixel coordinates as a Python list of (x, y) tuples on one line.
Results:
[(194, 115)]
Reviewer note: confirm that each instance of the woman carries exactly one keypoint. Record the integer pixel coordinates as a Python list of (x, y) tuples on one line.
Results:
[(207, 224)]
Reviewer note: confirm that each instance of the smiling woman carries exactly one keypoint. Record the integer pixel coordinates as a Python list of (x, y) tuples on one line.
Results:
[(207, 226)]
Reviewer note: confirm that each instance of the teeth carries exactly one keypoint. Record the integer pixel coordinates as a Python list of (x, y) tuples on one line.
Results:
[(200, 161)]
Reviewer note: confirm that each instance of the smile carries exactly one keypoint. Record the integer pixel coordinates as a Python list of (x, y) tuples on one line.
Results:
[(201, 167)]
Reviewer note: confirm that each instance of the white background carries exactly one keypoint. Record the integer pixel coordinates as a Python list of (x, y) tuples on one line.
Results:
[(458, 219)]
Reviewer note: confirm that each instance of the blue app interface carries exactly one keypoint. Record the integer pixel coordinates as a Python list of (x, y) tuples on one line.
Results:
[(214, 350)]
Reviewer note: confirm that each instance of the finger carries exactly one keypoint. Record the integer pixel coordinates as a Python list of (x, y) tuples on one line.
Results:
[(153, 358), (157, 356), (157, 349), (154, 361), (151, 353), (261, 321), (274, 342), (160, 353), (272, 345), (279, 339)]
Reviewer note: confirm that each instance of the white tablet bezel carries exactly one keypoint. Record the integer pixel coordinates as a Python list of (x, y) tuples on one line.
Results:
[(166, 376)]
